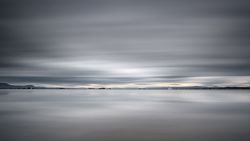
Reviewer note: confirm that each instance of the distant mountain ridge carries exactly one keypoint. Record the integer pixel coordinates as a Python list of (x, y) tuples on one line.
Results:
[(9, 86)]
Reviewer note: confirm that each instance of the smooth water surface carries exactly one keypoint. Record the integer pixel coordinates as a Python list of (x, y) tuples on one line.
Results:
[(119, 115)]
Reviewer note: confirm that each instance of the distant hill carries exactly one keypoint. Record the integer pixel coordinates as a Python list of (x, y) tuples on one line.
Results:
[(8, 86)]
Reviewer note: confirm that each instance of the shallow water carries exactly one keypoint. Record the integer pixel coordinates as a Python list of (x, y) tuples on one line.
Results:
[(117, 115)]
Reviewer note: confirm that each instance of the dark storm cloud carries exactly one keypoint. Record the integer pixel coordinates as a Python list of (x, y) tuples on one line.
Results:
[(124, 41)]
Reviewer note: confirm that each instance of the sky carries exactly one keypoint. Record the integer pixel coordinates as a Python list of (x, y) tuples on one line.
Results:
[(125, 43)]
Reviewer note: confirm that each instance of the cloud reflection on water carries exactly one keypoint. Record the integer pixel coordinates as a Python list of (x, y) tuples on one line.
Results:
[(124, 114)]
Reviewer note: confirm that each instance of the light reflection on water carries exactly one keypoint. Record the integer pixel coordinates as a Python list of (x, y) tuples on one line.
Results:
[(78, 115)]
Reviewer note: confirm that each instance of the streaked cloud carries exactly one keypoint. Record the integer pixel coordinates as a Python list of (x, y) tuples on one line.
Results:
[(125, 43)]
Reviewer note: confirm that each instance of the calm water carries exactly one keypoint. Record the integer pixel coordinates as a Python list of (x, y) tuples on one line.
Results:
[(117, 115)]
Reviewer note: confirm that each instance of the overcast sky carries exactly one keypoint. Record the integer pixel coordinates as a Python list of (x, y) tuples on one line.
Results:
[(125, 43)]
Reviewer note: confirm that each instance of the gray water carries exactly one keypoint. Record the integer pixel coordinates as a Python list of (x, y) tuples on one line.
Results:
[(117, 115)]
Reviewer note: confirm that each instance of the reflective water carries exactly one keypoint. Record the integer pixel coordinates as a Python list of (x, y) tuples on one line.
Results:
[(117, 115)]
